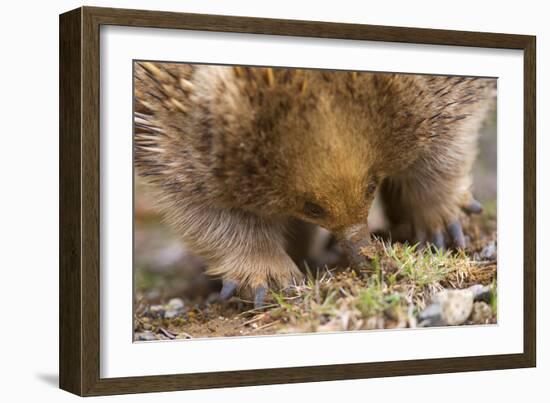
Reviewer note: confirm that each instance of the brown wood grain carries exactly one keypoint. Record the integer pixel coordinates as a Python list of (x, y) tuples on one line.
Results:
[(80, 200), (530, 202), (70, 271)]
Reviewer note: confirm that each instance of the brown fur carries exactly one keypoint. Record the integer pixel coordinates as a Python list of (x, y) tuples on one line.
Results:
[(236, 153)]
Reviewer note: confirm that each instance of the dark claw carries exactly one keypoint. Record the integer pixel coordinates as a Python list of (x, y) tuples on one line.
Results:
[(259, 297), (228, 289), (457, 235), (438, 240), (420, 240), (474, 207)]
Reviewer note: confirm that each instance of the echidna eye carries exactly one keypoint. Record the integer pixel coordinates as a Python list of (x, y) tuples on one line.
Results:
[(313, 210), (371, 188)]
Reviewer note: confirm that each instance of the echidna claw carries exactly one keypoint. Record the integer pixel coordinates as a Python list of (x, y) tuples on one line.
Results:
[(474, 207), (420, 240), (438, 240), (259, 297), (456, 234), (228, 290)]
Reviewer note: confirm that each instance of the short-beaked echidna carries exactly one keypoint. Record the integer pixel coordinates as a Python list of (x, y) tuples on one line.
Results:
[(237, 154)]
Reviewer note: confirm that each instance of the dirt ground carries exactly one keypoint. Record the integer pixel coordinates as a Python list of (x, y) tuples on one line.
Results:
[(399, 284)]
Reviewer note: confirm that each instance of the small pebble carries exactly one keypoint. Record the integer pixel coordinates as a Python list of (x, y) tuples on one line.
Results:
[(145, 336), (172, 313), (482, 313), (449, 307), (176, 303), (156, 309), (481, 293), (456, 306), (431, 316), (183, 336), (173, 308)]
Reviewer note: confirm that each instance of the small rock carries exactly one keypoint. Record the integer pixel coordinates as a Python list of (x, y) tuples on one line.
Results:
[(174, 308), (431, 316), (172, 313), (481, 293), (156, 310), (176, 304), (183, 335), (449, 307), (489, 251), (482, 313), (456, 306), (145, 336)]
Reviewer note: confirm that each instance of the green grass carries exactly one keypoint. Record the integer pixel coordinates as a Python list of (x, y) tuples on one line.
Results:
[(422, 267), (399, 282)]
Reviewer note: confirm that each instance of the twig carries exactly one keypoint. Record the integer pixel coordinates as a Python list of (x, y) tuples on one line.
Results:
[(266, 325)]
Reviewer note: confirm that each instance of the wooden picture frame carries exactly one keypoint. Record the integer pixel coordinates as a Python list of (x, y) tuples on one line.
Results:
[(80, 187)]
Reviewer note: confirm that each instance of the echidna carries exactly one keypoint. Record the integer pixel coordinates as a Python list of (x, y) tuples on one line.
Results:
[(237, 154)]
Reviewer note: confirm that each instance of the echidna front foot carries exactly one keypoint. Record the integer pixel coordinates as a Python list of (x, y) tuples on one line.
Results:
[(253, 278), (229, 288), (259, 297)]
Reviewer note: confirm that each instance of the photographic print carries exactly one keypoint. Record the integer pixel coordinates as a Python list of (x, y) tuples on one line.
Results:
[(252, 201), (282, 200)]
